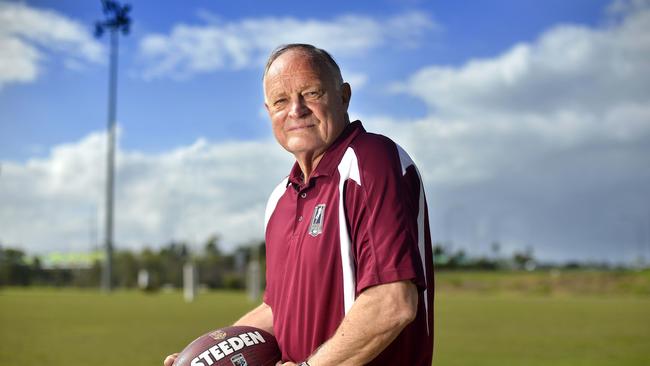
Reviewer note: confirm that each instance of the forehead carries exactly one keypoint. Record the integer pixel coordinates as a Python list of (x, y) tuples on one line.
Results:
[(294, 68)]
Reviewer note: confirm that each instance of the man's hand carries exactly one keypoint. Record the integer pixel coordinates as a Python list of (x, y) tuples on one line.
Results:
[(169, 360), (285, 364)]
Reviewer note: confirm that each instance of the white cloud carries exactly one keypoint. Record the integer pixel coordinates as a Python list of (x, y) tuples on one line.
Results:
[(27, 33), (356, 80), (53, 203), (193, 49), (569, 67), (627, 7), (549, 141), (572, 86)]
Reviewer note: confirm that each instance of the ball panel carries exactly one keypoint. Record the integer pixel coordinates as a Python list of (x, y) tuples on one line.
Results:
[(231, 346)]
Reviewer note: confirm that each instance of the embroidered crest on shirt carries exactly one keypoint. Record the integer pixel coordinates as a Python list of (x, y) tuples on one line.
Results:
[(316, 225)]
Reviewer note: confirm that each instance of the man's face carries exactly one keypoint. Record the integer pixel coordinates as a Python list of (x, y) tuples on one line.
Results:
[(306, 107)]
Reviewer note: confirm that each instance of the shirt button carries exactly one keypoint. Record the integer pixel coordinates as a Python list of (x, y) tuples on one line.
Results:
[(300, 218), (303, 195)]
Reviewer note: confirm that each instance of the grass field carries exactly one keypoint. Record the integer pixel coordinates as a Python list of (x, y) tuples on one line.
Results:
[(84, 327)]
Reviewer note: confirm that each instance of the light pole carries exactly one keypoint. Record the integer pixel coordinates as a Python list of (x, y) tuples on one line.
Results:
[(116, 19)]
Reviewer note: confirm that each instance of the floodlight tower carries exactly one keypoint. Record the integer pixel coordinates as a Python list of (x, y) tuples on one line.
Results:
[(116, 19)]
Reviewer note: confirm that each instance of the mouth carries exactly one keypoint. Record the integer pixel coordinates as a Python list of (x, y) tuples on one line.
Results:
[(299, 127)]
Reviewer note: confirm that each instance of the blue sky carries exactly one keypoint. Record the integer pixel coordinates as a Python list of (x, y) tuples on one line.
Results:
[(529, 119), (163, 113)]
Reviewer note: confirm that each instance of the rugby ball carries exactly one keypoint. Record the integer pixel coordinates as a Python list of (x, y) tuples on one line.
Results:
[(231, 346)]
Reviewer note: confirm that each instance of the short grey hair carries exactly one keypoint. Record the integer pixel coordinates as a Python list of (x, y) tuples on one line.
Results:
[(318, 54)]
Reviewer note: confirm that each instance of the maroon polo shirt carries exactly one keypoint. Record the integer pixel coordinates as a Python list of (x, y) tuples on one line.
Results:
[(360, 221)]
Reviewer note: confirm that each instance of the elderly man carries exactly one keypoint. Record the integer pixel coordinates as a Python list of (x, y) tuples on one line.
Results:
[(349, 263)]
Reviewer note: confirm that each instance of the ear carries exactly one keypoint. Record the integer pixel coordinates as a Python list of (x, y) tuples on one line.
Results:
[(346, 94)]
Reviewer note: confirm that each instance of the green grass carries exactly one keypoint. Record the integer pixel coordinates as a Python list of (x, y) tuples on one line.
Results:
[(84, 327), (549, 282), (502, 329), (75, 327)]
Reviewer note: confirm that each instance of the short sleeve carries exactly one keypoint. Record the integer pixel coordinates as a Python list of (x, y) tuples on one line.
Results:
[(382, 219)]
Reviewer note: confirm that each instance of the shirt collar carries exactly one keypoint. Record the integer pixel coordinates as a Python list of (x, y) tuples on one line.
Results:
[(331, 157)]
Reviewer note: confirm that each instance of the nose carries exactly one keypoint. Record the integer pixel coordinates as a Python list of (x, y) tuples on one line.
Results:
[(298, 108)]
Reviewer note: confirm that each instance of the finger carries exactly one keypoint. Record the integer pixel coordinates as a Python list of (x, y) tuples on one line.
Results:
[(169, 360)]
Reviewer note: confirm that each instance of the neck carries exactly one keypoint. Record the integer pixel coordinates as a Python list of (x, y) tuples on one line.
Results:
[(308, 163)]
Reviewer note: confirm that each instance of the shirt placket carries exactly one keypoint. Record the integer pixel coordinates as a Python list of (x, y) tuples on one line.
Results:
[(300, 215)]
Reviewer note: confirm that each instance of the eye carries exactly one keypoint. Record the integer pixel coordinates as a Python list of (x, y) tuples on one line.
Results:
[(312, 94), (280, 102)]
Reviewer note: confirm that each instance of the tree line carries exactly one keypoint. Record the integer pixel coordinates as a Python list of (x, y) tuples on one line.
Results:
[(164, 266), (219, 270)]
